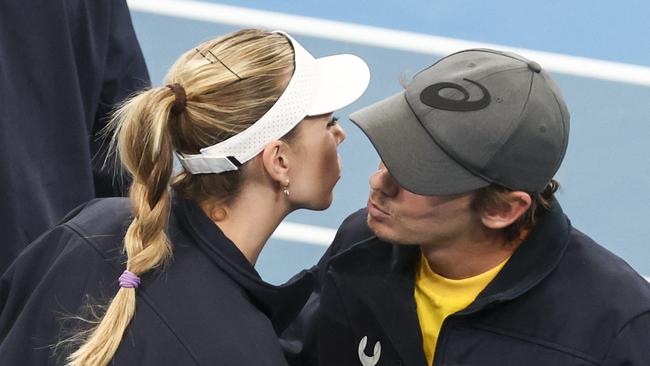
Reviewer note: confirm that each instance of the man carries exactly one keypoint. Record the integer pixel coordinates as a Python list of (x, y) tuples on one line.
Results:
[(64, 64), (463, 256)]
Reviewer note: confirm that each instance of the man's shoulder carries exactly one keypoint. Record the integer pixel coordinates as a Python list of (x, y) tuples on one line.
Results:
[(590, 282), (589, 292), (609, 275)]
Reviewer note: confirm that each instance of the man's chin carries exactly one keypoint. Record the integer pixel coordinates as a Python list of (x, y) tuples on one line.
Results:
[(380, 230)]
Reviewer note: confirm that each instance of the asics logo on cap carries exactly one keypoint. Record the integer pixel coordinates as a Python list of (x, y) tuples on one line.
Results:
[(431, 97)]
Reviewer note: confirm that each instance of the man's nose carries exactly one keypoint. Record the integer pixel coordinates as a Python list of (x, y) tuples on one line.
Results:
[(382, 181)]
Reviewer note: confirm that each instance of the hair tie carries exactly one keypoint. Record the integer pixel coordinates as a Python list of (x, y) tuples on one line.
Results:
[(129, 280), (180, 98)]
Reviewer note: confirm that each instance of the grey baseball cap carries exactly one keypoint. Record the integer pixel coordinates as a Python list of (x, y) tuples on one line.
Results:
[(473, 118)]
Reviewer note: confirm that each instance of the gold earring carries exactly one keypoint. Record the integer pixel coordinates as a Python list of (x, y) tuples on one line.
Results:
[(285, 189), (219, 214)]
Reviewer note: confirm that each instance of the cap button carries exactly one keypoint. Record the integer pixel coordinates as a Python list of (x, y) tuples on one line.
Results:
[(534, 66)]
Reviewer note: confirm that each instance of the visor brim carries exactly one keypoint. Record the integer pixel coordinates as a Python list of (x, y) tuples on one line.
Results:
[(342, 80)]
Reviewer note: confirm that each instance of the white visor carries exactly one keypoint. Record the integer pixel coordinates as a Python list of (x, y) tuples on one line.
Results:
[(317, 86)]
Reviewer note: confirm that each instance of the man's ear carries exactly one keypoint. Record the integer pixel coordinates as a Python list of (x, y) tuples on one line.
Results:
[(275, 160), (505, 213)]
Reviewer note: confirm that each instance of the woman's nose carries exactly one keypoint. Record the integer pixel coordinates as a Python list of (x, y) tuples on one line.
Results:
[(339, 134)]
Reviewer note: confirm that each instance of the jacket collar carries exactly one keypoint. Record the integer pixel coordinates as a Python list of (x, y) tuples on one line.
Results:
[(385, 281), (280, 303), (535, 258)]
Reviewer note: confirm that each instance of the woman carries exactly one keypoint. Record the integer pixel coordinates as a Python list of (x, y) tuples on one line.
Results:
[(249, 116)]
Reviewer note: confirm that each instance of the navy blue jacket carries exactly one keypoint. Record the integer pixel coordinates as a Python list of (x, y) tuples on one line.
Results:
[(63, 65), (207, 306), (560, 300)]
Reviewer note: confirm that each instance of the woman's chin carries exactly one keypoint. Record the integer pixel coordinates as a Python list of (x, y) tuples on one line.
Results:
[(323, 203)]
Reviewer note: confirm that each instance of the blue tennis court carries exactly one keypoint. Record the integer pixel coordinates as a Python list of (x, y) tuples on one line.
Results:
[(597, 53)]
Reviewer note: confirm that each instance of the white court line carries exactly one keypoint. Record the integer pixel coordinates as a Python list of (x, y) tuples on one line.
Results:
[(304, 233), (383, 37)]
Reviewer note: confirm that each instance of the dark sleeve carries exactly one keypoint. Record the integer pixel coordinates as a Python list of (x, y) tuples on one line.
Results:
[(632, 345), (300, 340), (335, 339), (125, 72)]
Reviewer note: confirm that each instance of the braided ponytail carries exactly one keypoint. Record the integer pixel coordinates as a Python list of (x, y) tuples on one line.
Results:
[(145, 148)]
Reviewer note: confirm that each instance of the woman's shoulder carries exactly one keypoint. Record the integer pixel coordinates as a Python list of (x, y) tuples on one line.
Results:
[(77, 260), (92, 231), (86, 243), (99, 216)]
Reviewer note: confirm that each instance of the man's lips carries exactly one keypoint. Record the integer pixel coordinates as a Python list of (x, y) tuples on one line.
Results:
[(375, 210)]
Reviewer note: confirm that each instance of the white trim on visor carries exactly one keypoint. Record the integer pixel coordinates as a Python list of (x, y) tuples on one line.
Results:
[(317, 86)]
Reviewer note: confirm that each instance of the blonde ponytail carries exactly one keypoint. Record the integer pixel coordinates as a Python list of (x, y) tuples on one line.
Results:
[(145, 149)]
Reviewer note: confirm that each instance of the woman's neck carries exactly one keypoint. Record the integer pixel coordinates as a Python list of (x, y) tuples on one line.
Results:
[(250, 220)]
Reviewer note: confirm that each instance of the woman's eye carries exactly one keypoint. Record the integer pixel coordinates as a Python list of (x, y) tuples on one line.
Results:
[(332, 122)]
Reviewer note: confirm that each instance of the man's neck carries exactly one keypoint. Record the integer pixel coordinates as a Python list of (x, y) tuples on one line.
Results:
[(469, 257)]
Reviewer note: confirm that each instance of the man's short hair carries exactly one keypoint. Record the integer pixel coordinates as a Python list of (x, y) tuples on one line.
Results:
[(494, 196)]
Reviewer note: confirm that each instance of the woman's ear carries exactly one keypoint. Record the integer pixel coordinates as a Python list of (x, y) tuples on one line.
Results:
[(275, 160), (505, 213)]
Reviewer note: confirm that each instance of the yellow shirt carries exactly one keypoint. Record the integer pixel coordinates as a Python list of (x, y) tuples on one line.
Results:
[(438, 297)]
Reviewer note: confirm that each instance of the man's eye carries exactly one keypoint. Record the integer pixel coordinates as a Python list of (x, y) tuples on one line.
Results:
[(332, 122)]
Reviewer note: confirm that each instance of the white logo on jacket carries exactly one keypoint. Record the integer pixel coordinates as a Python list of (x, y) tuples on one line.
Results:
[(369, 360)]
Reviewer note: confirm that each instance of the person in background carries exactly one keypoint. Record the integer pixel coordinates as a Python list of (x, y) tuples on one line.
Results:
[(64, 65), (463, 255), (167, 277)]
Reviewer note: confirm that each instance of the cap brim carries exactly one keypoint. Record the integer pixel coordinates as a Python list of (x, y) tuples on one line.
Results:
[(410, 153), (342, 80)]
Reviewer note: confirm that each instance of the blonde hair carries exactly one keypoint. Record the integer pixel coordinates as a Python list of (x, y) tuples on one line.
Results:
[(224, 97)]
